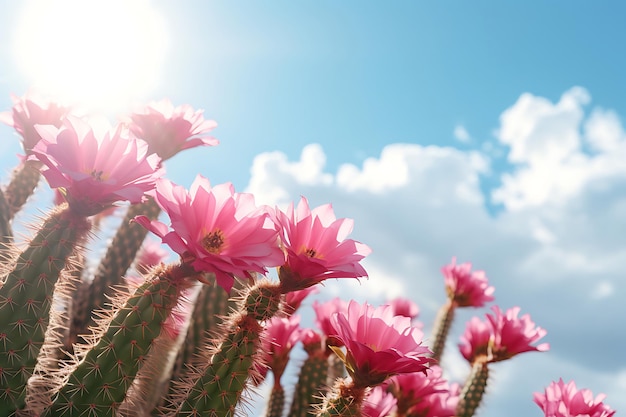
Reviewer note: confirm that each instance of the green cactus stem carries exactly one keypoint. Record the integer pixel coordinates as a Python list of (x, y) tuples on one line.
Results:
[(336, 369), (474, 389), (276, 403), (6, 234), (22, 185), (344, 400), (311, 385), (100, 381), (118, 258), (443, 322), (211, 308), (26, 297), (218, 388)]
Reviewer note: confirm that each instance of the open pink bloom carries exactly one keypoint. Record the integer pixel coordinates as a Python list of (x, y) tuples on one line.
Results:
[(475, 340), (168, 129), (323, 312), (378, 344), (513, 335), (404, 307), (216, 230), (466, 288), (425, 394), (501, 336), (32, 110), (95, 171), (150, 254), (317, 247), (294, 299), (565, 400), (378, 403), (280, 336)]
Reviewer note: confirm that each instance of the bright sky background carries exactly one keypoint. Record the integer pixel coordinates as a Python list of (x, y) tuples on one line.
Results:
[(491, 131)]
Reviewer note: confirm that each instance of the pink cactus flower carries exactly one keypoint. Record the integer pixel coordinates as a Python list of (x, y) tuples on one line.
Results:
[(32, 110), (216, 230), (513, 335), (95, 171), (150, 254), (501, 337), (280, 336), (475, 340), (404, 307), (466, 288), (425, 394), (294, 299), (565, 400), (378, 403), (316, 246), (378, 344), (323, 312), (169, 130)]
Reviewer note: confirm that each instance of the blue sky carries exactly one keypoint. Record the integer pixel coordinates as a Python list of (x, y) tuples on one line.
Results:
[(357, 103)]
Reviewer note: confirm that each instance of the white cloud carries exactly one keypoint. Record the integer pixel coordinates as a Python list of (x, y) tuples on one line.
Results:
[(556, 250), (461, 134)]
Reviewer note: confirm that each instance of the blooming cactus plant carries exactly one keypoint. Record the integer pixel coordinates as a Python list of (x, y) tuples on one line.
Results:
[(143, 337)]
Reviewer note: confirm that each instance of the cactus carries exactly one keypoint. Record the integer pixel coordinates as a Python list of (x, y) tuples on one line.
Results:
[(6, 234), (473, 390), (23, 182), (443, 322), (311, 385), (276, 403), (26, 298), (118, 258), (101, 379)]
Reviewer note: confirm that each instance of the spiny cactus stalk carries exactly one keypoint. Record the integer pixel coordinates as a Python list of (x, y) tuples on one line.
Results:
[(276, 403), (473, 390), (344, 400), (99, 383), (23, 182), (118, 258), (217, 390), (6, 234), (443, 322), (26, 298), (311, 385)]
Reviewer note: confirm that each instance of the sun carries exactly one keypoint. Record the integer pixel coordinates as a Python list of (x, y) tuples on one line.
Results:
[(101, 54)]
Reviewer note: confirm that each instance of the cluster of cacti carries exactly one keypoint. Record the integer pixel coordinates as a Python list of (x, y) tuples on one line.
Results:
[(140, 337)]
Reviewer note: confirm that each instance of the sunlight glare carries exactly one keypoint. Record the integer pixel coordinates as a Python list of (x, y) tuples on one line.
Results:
[(101, 54)]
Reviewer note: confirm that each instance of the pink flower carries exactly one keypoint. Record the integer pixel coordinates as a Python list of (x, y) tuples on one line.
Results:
[(378, 403), (501, 337), (378, 344), (32, 110), (95, 171), (513, 335), (404, 307), (475, 340), (216, 229), (565, 400), (169, 130), (294, 299), (316, 246), (280, 336), (425, 394), (150, 254), (323, 312), (466, 288)]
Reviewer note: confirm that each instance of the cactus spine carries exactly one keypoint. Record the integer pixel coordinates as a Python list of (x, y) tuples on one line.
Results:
[(26, 298), (311, 383)]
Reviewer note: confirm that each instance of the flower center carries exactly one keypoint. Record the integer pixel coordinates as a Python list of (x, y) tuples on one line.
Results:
[(213, 242), (311, 253), (97, 175)]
